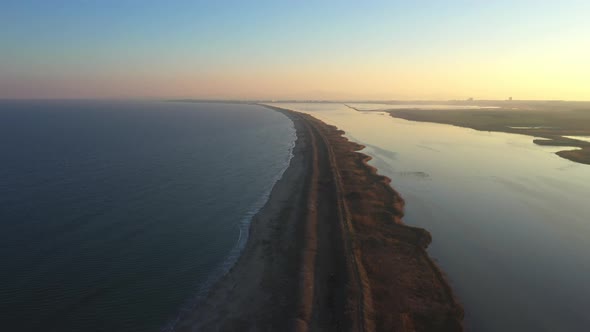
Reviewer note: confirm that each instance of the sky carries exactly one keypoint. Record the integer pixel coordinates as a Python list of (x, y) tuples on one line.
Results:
[(403, 50)]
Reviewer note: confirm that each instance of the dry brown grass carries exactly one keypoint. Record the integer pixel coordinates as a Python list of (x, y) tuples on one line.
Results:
[(408, 290)]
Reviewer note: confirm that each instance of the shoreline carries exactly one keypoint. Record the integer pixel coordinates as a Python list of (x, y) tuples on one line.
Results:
[(235, 253), (239, 298), (328, 251)]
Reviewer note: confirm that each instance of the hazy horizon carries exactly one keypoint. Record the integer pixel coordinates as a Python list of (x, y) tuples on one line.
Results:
[(279, 51)]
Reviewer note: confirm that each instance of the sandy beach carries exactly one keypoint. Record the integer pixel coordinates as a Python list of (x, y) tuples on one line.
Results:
[(329, 251)]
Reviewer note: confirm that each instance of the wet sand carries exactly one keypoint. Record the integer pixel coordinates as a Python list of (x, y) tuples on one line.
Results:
[(329, 251)]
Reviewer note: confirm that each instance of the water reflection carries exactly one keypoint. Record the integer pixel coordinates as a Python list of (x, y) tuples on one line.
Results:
[(509, 218), (579, 138), (374, 107)]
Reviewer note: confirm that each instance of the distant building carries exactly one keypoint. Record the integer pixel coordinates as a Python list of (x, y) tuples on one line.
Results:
[(470, 99), (509, 98)]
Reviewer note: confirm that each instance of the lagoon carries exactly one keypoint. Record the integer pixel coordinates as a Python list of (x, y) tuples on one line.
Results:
[(509, 218)]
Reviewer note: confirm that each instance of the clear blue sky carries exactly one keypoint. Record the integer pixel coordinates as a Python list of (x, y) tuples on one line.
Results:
[(283, 49)]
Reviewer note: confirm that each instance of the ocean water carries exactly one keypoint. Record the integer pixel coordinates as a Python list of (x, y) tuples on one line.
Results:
[(114, 216), (510, 220)]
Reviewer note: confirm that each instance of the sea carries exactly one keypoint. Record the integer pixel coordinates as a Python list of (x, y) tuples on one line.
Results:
[(119, 215)]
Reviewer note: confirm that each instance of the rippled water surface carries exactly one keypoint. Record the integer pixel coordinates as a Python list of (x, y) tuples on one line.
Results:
[(114, 214), (510, 220)]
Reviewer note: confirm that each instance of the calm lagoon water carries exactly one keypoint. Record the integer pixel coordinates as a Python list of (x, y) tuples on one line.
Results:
[(381, 107), (510, 220), (114, 215)]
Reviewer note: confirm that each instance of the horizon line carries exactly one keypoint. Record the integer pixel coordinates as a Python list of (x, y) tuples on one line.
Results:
[(297, 100)]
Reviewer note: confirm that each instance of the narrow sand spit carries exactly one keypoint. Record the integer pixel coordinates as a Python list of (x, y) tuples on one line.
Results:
[(329, 252)]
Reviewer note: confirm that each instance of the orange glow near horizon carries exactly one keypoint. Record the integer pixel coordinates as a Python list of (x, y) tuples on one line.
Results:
[(523, 50)]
